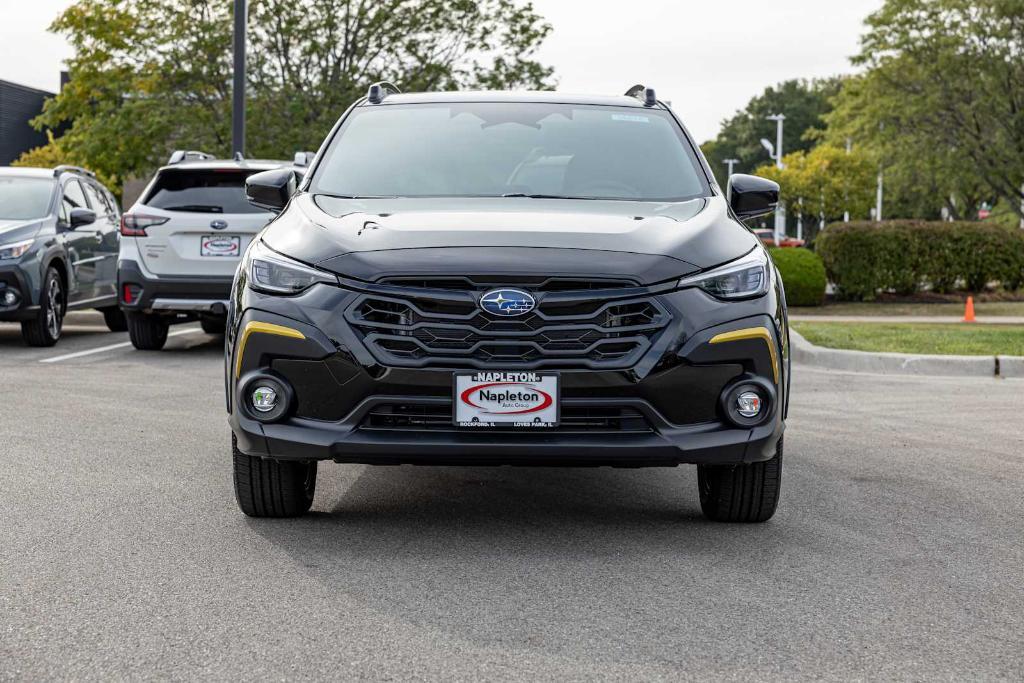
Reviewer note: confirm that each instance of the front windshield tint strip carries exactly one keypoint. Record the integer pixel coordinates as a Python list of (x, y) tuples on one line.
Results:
[(491, 149), (24, 199)]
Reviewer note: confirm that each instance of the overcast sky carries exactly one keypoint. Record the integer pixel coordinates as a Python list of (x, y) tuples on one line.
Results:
[(708, 58)]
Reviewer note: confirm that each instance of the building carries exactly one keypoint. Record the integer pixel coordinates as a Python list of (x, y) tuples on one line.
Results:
[(19, 104)]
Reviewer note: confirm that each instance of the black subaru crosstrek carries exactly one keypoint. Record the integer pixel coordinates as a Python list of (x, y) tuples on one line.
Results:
[(508, 279)]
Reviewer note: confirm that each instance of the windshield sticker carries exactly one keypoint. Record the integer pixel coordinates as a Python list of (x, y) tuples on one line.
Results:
[(630, 117)]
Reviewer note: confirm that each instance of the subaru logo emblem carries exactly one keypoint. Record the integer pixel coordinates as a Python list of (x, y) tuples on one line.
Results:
[(218, 224), (507, 302)]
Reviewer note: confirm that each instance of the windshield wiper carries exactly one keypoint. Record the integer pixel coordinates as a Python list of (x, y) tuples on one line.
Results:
[(543, 196), (198, 208)]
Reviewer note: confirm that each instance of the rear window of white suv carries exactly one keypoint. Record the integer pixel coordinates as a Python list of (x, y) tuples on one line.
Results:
[(201, 191)]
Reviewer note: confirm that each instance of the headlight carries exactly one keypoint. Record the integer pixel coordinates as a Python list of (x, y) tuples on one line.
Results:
[(15, 249), (271, 272), (744, 278)]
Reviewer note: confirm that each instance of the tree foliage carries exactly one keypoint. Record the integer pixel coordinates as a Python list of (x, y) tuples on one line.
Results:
[(803, 102), (941, 102), (54, 154), (825, 182), (149, 76)]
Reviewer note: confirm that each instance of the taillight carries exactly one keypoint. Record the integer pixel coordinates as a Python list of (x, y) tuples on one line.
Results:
[(135, 224), (130, 294)]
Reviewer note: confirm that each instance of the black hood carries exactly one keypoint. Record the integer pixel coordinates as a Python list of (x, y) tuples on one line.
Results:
[(373, 238)]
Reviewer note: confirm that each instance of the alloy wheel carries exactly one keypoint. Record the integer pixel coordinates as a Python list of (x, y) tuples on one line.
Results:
[(54, 308)]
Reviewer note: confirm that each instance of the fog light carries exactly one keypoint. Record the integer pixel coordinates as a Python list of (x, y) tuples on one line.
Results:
[(10, 297), (264, 398), (748, 404)]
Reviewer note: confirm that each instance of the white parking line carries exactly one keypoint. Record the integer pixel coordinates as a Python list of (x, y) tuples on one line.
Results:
[(111, 347)]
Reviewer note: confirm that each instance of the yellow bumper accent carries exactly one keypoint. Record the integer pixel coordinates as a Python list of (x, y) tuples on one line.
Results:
[(752, 333), (261, 328)]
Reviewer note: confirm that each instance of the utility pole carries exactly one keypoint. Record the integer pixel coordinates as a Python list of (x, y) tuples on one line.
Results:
[(238, 88), (731, 163), (780, 210)]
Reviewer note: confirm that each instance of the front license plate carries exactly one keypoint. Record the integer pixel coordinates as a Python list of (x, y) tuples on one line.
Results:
[(220, 245), (506, 399)]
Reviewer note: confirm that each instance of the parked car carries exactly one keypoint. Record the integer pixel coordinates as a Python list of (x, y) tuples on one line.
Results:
[(58, 249), (181, 243), (497, 278), (767, 238)]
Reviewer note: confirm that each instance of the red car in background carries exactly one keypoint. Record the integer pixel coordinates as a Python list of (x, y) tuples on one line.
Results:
[(767, 238)]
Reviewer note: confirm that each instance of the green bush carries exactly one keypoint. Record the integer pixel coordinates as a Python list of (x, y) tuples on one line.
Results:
[(803, 275), (863, 258)]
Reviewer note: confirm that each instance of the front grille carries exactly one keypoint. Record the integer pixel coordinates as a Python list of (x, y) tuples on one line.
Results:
[(444, 327), (438, 417), (538, 283)]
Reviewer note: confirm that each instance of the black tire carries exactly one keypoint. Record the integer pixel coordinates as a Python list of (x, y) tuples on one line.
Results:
[(44, 329), (741, 493), (213, 325), (147, 332), (272, 488), (115, 319)]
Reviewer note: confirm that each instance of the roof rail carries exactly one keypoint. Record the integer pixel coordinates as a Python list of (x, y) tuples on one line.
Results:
[(180, 155), (303, 158), (65, 168), (644, 94), (378, 91)]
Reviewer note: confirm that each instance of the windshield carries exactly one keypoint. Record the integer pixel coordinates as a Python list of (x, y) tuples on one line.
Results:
[(201, 191), (492, 149), (24, 198)]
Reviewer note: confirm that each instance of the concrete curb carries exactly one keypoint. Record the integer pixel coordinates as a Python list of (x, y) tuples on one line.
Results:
[(807, 353)]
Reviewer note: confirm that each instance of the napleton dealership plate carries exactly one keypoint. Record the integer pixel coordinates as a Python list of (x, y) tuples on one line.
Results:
[(506, 399), (220, 245)]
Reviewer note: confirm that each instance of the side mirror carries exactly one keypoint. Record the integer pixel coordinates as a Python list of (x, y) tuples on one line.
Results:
[(271, 189), (751, 196), (81, 216)]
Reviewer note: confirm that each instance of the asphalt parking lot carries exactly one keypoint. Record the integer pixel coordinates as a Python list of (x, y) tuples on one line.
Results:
[(897, 552)]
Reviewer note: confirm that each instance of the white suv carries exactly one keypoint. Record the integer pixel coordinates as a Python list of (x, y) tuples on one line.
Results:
[(182, 240)]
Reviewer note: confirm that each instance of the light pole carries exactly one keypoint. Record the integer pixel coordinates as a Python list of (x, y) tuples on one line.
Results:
[(780, 210), (878, 198), (731, 163), (238, 87), (878, 193), (846, 195)]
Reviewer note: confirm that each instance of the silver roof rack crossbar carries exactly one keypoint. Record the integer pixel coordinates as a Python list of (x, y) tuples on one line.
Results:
[(644, 94), (180, 155), (66, 168), (378, 91)]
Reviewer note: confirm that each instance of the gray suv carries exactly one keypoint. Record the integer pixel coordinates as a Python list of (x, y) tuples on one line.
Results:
[(58, 249)]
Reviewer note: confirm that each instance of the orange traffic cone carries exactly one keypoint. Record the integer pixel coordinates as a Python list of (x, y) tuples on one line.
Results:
[(969, 310)]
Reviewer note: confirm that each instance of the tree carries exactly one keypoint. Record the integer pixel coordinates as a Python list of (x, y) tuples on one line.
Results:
[(941, 102), (822, 184), (803, 103), (53, 154), (149, 76)]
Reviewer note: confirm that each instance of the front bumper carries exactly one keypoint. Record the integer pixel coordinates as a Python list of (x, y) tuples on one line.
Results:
[(189, 295), (13, 278), (343, 396)]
